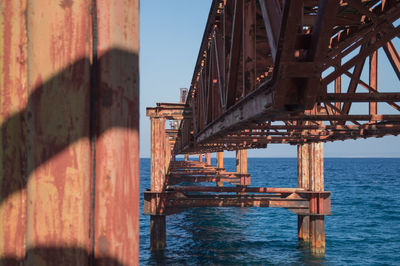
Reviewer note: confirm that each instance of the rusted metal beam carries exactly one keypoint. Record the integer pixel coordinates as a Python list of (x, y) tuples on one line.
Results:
[(363, 97), (208, 158), (251, 107), (272, 16), (393, 57), (316, 179), (220, 165), (249, 38), (82, 76), (319, 44), (116, 231), (299, 202), (373, 79), (59, 168), (303, 221), (234, 55), (234, 189), (13, 151), (169, 112), (241, 166), (158, 171)]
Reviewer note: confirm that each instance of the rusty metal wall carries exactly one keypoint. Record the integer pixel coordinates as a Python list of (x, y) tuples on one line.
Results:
[(117, 148), (59, 163), (13, 100), (69, 158)]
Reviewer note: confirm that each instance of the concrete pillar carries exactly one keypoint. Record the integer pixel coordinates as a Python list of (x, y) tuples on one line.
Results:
[(157, 222), (200, 157), (186, 158)]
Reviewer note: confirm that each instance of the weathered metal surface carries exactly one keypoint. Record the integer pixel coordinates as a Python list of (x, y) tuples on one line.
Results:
[(175, 199), (158, 232), (303, 221), (234, 189), (59, 168), (159, 169), (316, 179), (241, 161), (117, 147), (13, 101), (271, 72), (51, 54), (220, 160), (157, 154), (208, 158), (282, 92)]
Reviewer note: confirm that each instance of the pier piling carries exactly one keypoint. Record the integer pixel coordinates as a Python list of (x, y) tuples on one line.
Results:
[(220, 165), (158, 170)]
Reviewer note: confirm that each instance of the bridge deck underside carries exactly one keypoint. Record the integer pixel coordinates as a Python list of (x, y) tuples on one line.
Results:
[(292, 72)]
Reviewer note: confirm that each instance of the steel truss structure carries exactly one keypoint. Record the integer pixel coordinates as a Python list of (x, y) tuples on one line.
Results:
[(272, 71), (290, 72)]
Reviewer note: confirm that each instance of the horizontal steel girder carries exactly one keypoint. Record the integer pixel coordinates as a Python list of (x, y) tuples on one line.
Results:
[(296, 200)]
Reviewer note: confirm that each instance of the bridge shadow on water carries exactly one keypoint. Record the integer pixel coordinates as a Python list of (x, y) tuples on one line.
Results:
[(78, 103)]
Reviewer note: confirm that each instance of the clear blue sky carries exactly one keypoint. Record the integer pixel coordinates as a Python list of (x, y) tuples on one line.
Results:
[(171, 32)]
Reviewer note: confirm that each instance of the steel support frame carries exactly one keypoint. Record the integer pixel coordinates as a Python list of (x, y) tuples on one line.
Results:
[(158, 171), (311, 228), (176, 199)]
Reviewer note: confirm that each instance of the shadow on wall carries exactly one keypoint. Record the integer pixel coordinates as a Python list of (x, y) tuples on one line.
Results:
[(76, 106), (58, 114), (49, 255)]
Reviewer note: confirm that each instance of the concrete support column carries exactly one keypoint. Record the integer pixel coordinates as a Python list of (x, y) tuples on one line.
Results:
[(208, 159), (200, 157), (220, 165), (186, 157), (157, 222)]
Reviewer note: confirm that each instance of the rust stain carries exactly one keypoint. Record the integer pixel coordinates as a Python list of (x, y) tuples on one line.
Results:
[(117, 147), (66, 3), (13, 99), (103, 244), (59, 164)]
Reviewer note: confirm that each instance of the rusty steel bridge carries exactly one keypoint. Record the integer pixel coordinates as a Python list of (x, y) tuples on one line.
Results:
[(271, 71), (268, 71)]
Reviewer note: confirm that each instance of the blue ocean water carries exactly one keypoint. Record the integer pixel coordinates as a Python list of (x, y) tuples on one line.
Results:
[(363, 230)]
